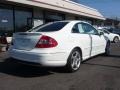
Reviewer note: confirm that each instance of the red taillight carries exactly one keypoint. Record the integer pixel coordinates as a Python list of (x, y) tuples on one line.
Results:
[(46, 42)]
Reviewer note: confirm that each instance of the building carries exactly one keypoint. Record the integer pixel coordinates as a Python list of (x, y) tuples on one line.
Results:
[(115, 23), (21, 15)]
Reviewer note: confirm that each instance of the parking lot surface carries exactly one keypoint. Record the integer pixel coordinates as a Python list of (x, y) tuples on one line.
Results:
[(98, 73)]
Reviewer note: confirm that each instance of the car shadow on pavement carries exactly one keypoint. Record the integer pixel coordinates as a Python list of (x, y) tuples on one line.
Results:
[(10, 67), (115, 56), (105, 65), (20, 70), (111, 66)]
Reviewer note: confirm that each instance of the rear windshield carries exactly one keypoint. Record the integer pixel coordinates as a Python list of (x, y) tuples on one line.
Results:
[(50, 27)]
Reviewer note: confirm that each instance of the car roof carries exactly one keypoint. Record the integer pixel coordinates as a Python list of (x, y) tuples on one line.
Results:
[(74, 21)]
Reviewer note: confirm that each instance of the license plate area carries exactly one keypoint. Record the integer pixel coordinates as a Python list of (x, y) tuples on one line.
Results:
[(22, 43)]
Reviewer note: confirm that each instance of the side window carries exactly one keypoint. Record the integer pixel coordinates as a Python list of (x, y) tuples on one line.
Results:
[(89, 29), (80, 28), (77, 28)]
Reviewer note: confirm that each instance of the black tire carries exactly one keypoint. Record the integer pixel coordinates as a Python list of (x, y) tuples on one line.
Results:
[(116, 40), (107, 49), (74, 61)]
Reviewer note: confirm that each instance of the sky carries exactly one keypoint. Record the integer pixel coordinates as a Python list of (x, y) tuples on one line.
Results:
[(109, 8)]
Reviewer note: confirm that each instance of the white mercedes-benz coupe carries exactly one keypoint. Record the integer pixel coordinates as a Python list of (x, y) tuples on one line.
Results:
[(58, 44)]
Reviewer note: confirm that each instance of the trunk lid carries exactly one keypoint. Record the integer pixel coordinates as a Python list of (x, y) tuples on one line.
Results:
[(26, 40)]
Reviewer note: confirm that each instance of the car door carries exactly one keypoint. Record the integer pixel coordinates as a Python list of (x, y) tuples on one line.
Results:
[(82, 39), (98, 41)]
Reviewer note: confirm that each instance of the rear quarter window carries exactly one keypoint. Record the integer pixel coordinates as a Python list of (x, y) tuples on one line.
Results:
[(55, 26)]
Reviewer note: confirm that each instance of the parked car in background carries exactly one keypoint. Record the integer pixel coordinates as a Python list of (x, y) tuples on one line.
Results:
[(3, 39), (57, 44), (111, 36), (113, 30), (3, 42)]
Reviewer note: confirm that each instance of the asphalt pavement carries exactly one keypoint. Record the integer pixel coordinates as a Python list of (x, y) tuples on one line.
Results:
[(98, 73)]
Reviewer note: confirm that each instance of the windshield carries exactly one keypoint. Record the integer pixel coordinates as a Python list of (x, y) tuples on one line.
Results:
[(104, 30), (50, 27)]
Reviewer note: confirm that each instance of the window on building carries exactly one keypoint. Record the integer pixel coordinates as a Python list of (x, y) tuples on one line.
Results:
[(14, 19), (6, 20), (23, 19), (53, 16)]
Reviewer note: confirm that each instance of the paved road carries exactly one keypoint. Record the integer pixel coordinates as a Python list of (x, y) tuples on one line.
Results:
[(98, 73)]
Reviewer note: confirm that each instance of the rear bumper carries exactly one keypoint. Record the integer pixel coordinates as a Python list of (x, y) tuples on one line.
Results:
[(44, 59)]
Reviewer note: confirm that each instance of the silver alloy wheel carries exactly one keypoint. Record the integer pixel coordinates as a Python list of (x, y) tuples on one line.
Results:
[(75, 60)]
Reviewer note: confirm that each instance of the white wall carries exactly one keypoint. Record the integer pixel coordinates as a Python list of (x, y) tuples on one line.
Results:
[(64, 6)]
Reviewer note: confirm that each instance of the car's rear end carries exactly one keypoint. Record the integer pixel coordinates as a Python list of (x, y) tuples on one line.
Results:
[(37, 46)]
